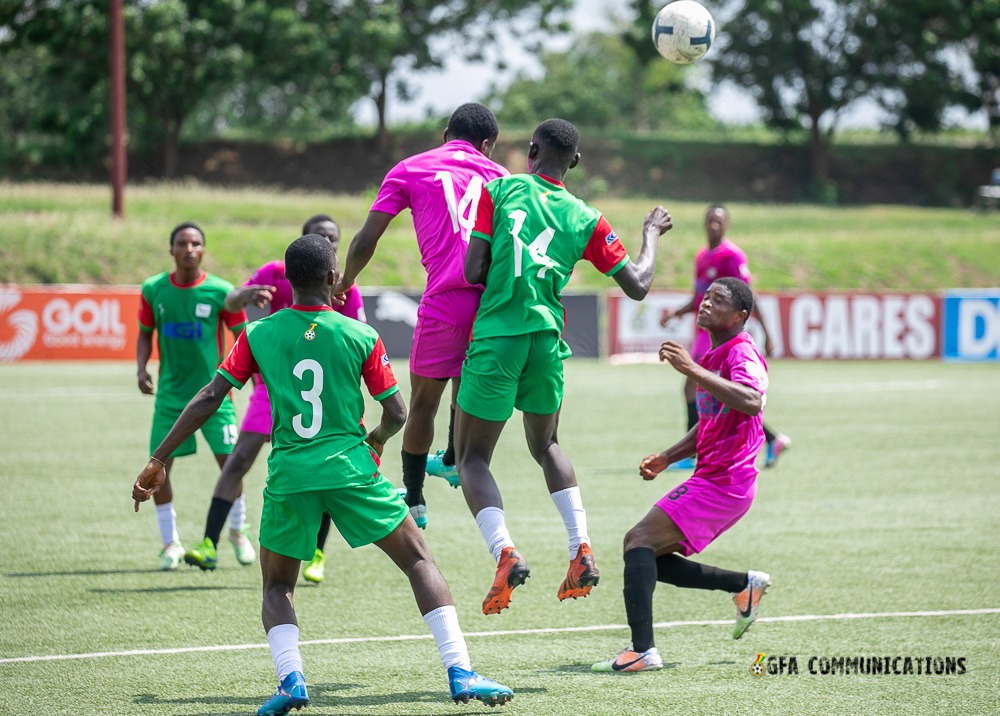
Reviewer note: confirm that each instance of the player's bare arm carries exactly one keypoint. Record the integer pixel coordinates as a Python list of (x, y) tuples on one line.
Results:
[(239, 298), (653, 465), (635, 278), (195, 414), (670, 313), (477, 261), (143, 351), (393, 418), (362, 248), (737, 396)]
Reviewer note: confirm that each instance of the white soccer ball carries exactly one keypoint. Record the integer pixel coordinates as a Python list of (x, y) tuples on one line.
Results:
[(683, 31)]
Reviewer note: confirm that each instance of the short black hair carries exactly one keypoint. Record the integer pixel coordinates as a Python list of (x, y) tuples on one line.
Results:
[(739, 291), (473, 122), (559, 137), (317, 219), (187, 225), (308, 260)]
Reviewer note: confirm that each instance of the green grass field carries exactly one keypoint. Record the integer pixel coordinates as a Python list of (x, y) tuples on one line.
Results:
[(790, 247), (879, 528)]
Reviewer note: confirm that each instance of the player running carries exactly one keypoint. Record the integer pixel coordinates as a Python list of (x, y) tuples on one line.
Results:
[(268, 289), (322, 460), (530, 232), (185, 308), (441, 188), (732, 382)]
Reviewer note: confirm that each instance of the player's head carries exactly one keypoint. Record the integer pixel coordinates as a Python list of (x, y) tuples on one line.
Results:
[(727, 305), (474, 123), (324, 226), (555, 143), (311, 265), (716, 223), (187, 245)]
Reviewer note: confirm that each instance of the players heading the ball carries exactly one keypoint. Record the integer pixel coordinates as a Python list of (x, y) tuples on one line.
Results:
[(441, 187), (530, 232), (267, 289), (313, 360), (732, 382), (185, 308)]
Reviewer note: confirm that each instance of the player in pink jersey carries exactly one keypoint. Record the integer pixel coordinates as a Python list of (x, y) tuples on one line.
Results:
[(269, 290), (732, 382), (441, 187), (719, 259)]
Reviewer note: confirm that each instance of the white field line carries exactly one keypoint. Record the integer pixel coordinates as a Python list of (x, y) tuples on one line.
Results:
[(509, 632)]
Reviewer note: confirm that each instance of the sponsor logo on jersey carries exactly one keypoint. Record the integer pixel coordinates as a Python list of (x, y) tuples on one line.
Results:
[(385, 359), (310, 333), (611, 238), (202, 310), (181, 331)]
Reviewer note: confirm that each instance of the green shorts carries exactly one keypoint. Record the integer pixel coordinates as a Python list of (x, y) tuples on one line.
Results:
[(220, 430), (506, 372), (362, 512)]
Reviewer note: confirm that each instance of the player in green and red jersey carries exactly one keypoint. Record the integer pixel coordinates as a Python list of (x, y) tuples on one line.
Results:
[(312, 361), (530, 231), (185, 309)]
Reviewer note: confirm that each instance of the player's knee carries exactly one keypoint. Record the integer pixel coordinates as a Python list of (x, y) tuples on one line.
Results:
[(635, 538)]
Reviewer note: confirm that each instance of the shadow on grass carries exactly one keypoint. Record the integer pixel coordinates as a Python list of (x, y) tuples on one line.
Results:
[(82, 573), (168, 590), (587, 667), (323, 698)]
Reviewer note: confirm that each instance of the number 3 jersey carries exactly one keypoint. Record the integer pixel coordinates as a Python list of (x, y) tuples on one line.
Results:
[(312, 360), (537, 231), (441, 187)]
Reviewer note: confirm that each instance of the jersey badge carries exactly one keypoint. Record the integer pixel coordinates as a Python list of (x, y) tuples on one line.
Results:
[(385, 359), (202, 310), (611, 238), (310, 333)]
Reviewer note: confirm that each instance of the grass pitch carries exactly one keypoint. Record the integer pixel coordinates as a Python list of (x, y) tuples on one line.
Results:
[(879, 528)]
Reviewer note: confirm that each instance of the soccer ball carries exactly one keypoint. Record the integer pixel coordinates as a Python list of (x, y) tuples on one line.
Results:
[(683, 31)]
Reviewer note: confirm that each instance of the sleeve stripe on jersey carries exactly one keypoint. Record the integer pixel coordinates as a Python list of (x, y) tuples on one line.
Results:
[(225, 374), (618, 266), (385, 394)]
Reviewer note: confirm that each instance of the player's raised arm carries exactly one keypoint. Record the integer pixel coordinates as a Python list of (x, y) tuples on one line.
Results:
[(362, 247), (636, 277)]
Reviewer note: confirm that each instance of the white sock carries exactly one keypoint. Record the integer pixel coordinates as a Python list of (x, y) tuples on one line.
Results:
[(574, 517), (284, 642), (493, 526), (166, 520), (443, 623), (237, 513)]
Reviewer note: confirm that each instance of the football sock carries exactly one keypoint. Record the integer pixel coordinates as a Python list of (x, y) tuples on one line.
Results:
[(768, 435), (493, 526), (449, 455), (692, 414), (284, 642), (414, 467), (674, 569), (166, 520), (324, 532), (574, 517), (443, 623), (640, 581), (238, 513), (217, 512)]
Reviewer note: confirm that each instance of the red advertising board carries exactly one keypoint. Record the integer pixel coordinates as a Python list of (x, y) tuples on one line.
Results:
[(804, 325), (68, 322)]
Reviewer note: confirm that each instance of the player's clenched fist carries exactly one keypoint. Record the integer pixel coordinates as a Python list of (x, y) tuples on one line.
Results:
[(149, 481), (652, 465)]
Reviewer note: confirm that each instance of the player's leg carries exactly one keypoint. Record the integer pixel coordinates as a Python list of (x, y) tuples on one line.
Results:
[(407, 549), (418, 436), (442, 463), (777, 443), (171, 552), (315, 571)]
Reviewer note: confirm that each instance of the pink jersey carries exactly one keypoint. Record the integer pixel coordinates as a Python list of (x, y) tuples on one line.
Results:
[(728, 440), (441, 187), (273, 274), (726, 259)]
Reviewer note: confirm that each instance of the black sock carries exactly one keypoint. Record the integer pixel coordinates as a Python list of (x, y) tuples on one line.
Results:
[(768, 435), (449, 455), (674, 569), (692, 414), (414, 467), (217, 514), (324, 532), (640, 581)]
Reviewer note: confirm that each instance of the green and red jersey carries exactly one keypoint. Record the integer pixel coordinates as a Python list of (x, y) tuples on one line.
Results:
[(537, 231), (312, 360), (190, 324)]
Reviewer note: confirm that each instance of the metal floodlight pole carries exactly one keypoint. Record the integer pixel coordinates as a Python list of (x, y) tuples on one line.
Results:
[(116, 34)]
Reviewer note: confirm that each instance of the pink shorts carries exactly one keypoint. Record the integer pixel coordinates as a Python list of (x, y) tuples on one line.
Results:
[(703, 510), (441, 336), (702, 344), (258, 417)]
